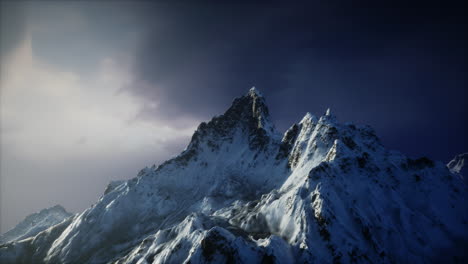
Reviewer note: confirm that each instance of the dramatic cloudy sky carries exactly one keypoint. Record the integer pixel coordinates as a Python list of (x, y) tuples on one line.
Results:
[(93, 92)]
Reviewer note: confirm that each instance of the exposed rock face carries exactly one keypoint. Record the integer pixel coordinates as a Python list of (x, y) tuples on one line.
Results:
[(240, 193)]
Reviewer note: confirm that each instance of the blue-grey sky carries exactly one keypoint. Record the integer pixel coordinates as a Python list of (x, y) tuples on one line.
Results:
[(94, 91)]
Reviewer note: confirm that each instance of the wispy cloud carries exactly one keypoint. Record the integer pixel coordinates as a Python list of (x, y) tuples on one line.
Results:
[(51, 117)]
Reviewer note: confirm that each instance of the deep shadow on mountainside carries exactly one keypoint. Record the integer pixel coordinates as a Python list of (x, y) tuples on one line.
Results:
[(324, 192)]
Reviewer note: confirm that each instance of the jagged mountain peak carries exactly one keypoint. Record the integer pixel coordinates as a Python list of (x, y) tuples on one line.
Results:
[(327, 118), (458, 164), (35, 223), (57, 207), (251, 108), (254, 92), (56, 210), (247, 115), (326, 192), (308, 118)]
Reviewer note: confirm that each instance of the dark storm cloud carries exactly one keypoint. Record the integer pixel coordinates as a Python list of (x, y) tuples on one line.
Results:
[(400, 67)]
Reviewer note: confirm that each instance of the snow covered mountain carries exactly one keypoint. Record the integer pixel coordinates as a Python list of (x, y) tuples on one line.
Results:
[(324, 192), (457, 165), (35, 223)]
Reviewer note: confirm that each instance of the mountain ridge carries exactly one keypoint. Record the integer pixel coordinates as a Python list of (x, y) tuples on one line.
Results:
[(240, 192), (35, 223)]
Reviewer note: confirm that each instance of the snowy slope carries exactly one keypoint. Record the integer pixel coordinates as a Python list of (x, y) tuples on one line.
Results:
[(240, 192), (457, 164), (35, 223)]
